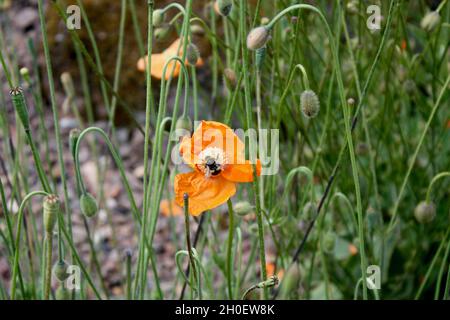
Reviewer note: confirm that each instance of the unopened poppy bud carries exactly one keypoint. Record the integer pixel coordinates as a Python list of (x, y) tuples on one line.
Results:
[(184, 123), (425, 212), (243, 208), (67, 82), (264, 21), (73, 139), (162, 32), (20, 105), (309, 211), (352, 7), (329, 241), (290, 281), (309, 103), (430, 21), (192, 54), (197, 30), (62, 293), (257, 38), (88, 205), (158, 17), (224, 7), (230, 77), (51, 208), (25, 73), (60, 270)]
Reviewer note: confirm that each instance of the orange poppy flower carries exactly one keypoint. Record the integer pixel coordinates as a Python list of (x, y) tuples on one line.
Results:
[(270, 270), (170, 208), (160, 59), (217, 156)]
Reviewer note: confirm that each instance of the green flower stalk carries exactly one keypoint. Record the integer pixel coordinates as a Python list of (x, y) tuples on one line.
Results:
[(188, 235)]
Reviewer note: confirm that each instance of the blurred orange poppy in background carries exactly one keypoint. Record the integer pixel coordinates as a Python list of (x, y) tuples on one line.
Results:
[(170, 208), (217, 156), (160, 59)]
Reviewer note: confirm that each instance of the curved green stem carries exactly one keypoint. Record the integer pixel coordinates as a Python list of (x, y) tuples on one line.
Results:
[(433, 181), (17, 241)]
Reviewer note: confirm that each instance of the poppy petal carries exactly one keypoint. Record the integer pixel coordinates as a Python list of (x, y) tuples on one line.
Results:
[(157, 67), (204, 193), (241, 172), (216, 134)]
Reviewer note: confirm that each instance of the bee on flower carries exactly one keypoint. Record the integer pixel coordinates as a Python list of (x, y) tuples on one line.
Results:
[(216, 155)]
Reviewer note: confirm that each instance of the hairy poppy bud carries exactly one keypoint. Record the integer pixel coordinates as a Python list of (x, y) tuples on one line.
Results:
[(60, 270), (192, 54), (25, 73), (67, 82), (230, 77), (88, 205), (264, 21), (20, 105), (62, 293), (329, 241), (430, 21), (184, 123), (51, 207), (73, 139), (309, 211), (290, 281), (162, 32), (197, 30), (158, 17), (224, 7), (425, 212), (309, 103), (243, 208), (257, 38)]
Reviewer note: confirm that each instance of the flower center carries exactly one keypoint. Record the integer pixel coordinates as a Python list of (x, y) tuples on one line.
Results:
[(212, 161)]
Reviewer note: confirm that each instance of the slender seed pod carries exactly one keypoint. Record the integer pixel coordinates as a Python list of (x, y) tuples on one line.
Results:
[(430, 21), (192, 54), (224, 7), (88, 205), (184, 123), (60, 270), (425, 212), (20, 105), (260, 57), (243, 208), (270, 282), (51, 208), (158, 17), (257, 38), (73, 139), (309, 103)]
